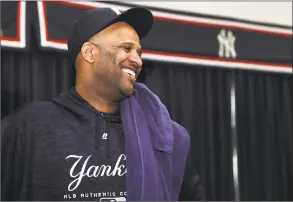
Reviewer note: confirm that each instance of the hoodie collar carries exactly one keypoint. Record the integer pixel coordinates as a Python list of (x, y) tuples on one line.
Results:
[(86, 105)]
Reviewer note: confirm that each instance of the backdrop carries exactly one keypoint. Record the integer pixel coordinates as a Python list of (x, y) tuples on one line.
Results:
[(34, 66)]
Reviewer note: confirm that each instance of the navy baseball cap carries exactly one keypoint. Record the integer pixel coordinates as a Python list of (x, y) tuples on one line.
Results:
[(95, 20)]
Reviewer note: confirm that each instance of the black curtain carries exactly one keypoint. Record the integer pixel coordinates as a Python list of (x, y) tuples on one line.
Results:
[(265, 135), (33, 75), (199, 99)]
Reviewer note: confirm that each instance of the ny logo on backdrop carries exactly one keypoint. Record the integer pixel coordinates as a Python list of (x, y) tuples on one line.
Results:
[(226, 41)]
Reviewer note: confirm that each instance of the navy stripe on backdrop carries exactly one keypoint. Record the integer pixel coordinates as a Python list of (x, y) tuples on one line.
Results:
[(184, 38), (13, 24), (187, 39)]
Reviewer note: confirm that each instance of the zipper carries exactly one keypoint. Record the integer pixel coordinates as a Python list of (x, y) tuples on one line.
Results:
[(105, 124), (97, 133)]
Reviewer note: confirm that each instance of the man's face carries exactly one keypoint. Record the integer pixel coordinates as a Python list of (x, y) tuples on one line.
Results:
[(118, 58)]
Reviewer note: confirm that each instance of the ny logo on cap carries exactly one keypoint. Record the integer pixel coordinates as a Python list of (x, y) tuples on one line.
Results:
[(116, 11)]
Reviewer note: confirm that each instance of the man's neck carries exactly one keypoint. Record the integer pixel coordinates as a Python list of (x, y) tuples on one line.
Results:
[(101, 101)]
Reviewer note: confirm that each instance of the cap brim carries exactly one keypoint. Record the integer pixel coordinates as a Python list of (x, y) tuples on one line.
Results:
[(139, 18)]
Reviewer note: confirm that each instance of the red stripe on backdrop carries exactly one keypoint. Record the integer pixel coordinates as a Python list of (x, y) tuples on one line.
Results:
[(215, 59), (212, 24), (218, 25)]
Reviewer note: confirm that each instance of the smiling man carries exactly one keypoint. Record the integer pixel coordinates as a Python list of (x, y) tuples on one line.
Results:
[(110, 62), (109, 138)]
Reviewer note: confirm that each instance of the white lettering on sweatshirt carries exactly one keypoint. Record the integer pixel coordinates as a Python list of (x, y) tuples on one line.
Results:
[(94, 171)]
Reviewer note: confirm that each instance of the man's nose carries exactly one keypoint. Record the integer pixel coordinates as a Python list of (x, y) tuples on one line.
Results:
[(135, 58)]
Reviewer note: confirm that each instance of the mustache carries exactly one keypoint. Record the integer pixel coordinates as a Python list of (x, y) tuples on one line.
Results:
[(132, 66)]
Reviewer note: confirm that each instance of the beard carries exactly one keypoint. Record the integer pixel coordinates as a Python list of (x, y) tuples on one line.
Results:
[(111, 77), (126, 84)]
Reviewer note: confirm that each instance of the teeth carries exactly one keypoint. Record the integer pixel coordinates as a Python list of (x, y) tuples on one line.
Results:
[(130, 72)]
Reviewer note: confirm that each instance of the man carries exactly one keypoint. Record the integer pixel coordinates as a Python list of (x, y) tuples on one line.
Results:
[(109, 138)]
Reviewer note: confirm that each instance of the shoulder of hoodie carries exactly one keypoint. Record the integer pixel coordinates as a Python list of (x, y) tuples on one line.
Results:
[(32, 118), (34, 113)]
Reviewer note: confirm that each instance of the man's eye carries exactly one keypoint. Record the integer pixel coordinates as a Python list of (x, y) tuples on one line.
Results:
[(127, 49)]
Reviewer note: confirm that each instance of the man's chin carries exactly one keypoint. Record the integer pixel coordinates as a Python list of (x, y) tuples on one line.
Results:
[(127, 91)]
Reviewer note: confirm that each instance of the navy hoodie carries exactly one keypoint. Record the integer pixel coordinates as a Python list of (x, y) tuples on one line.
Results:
[(63, 150), (56, 151)]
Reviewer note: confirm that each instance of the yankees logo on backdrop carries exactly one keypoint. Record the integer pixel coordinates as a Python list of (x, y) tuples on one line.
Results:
[(226, 41)]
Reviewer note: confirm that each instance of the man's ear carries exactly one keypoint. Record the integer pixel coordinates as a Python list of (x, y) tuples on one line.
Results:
[(87, 52)]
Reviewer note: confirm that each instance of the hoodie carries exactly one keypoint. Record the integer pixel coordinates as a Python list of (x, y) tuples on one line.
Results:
[(55, 151)]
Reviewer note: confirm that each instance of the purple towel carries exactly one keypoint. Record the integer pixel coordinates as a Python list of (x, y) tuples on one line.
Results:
[(149, 148)]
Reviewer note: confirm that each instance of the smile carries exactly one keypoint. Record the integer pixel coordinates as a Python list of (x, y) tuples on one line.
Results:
[(129, 72)]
